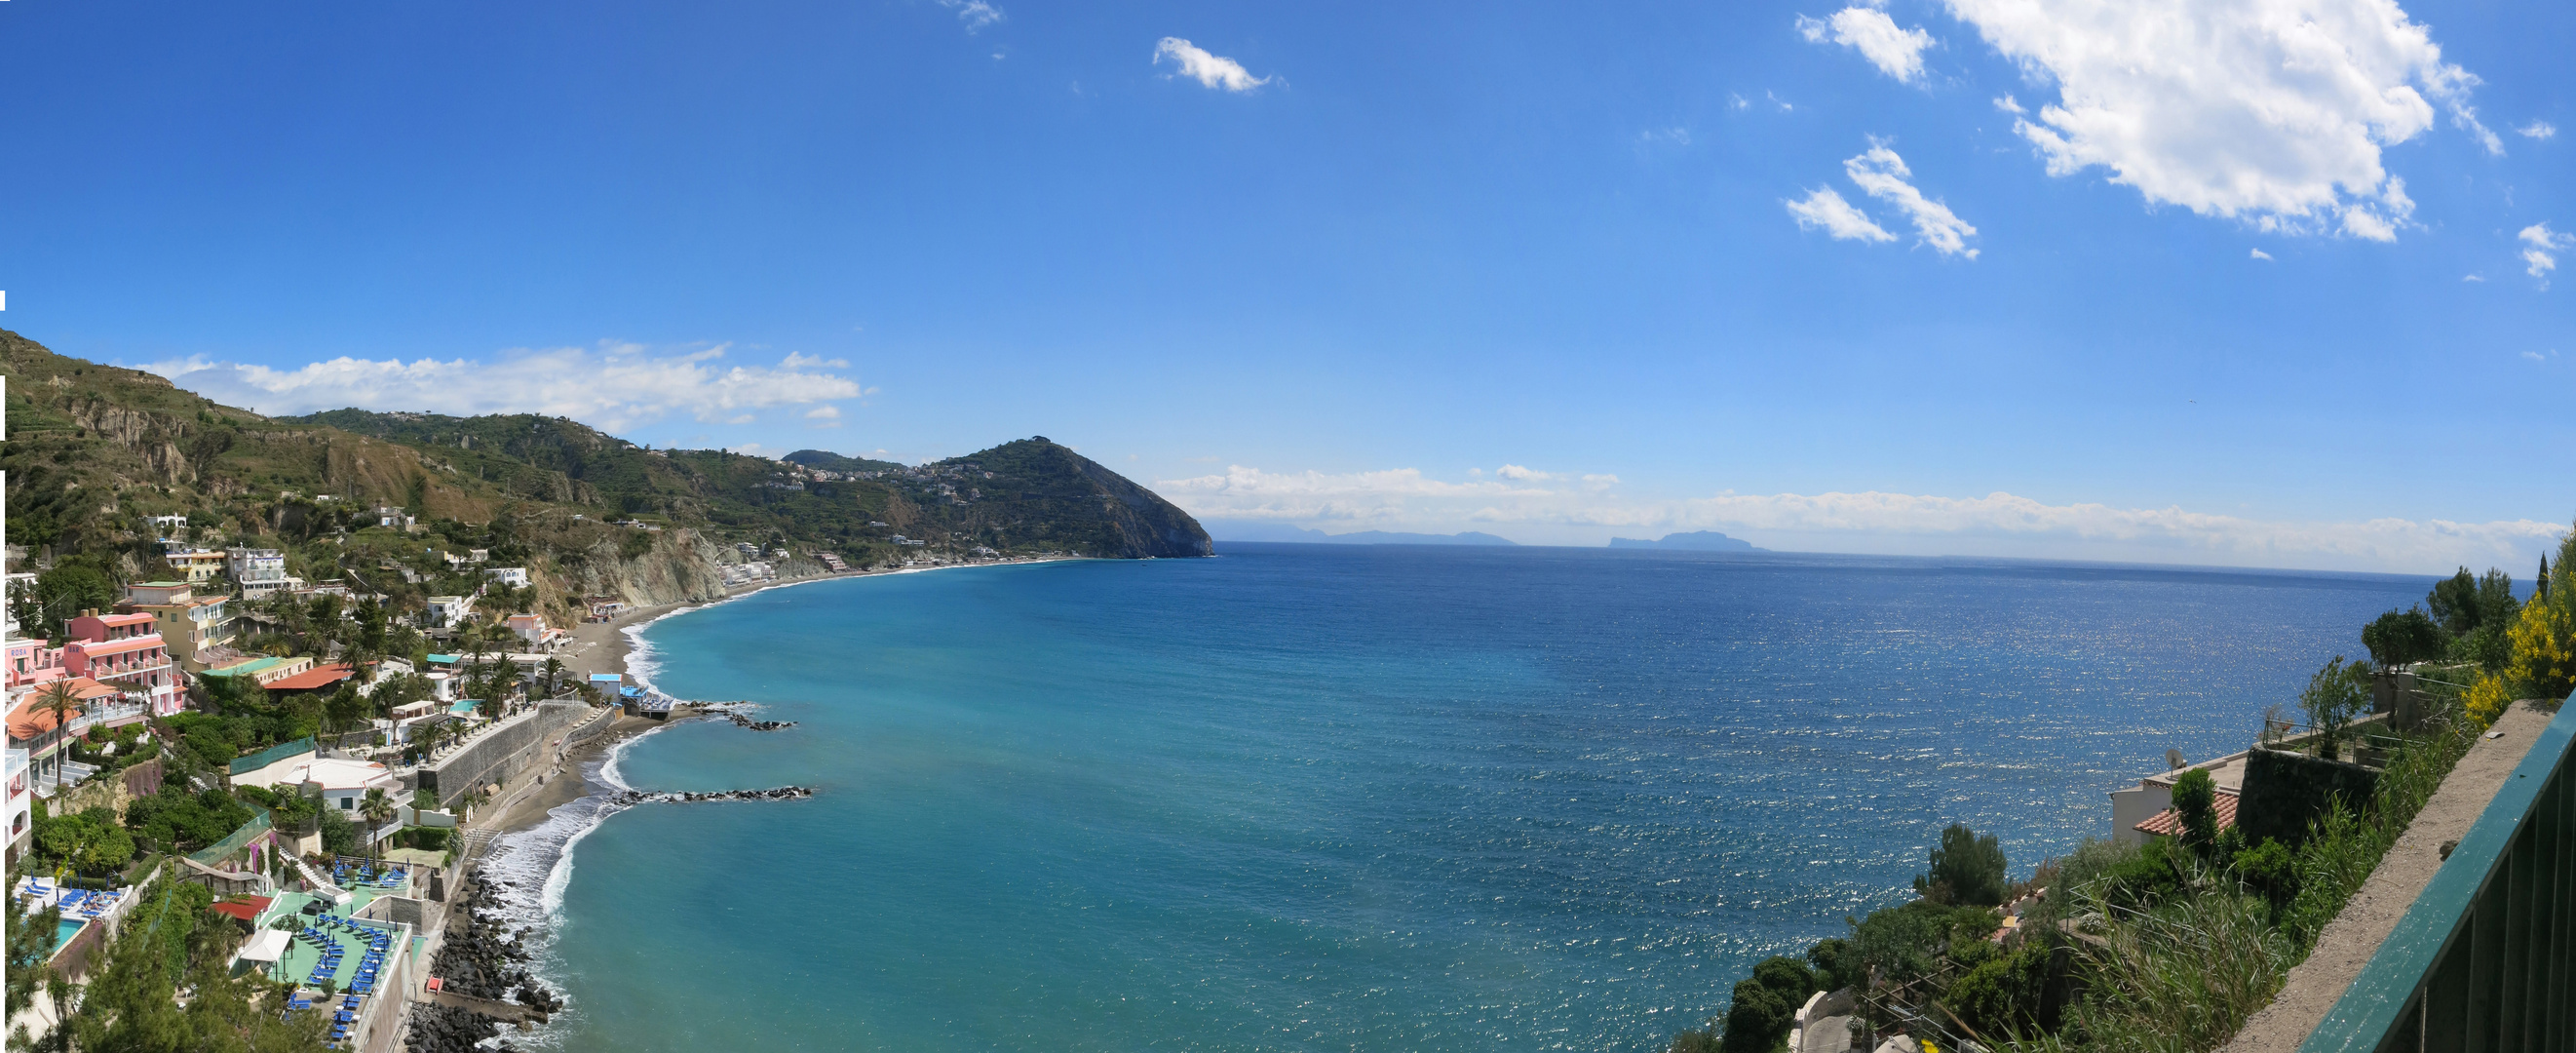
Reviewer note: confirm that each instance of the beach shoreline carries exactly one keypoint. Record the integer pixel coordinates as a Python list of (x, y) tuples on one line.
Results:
[(608, 647)]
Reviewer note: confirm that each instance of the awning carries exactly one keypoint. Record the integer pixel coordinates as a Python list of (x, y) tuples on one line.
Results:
[(267, 945)]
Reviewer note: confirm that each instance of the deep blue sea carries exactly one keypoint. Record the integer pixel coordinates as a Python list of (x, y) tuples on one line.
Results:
[(1363, 798)]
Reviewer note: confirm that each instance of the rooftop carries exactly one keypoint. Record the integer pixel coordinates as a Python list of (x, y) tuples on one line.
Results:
[(2168, 823), (314, 678)]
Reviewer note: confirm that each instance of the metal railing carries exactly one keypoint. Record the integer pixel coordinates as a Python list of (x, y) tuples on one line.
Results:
[(259, 824), (2485, 959)]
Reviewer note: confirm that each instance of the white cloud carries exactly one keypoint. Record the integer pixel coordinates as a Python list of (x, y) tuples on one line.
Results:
[(1737, 102), (2270, 111), (800, 361), (2261, 255), (1215, 71), (1996, 524), (1880, 172), (2537, 130), (2471, 278), (1517, 473), (1824, 209), (823, 413), (611, 385), (2009, 105), (2535, 356), (1778, 101), (2541, 247), (1896, 52), (975, 13), (1676, 136)]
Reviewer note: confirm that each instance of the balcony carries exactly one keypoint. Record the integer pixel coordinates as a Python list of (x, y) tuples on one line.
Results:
[(2485, 957)]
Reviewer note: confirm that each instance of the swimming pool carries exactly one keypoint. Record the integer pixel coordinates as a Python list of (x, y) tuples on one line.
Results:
[(64, 930)]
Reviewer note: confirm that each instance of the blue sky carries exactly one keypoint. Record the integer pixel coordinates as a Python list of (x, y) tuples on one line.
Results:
[(1526, 269)]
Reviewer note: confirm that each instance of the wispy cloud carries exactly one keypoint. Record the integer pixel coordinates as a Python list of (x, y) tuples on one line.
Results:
[(2260, 254), (1996, 524), (1823, 209), (2271, 111), (975, 13), (1196, 63), (609, 385), (1884, 176), (2537, 130), (1896, 52), (2540, 249)]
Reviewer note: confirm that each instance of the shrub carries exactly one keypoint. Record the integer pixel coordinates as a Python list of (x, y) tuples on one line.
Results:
[(1968, 867), (2195, 798), (2334, 696), (2004, 995), (2269, 869)]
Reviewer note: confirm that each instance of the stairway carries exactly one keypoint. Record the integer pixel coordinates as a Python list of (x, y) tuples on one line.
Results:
[(338, 896)]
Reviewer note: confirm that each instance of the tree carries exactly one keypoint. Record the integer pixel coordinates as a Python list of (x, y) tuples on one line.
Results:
[(339, 835), (2464, 605), (31, 940), (2403, 638), (69, 589), (1969, 868), (2335, 695), (1766, 1005), (552, 677), (377, 807), (2195, 799), (59, 699)]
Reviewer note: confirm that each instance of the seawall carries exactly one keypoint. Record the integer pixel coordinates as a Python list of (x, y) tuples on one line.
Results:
[(501, 753)]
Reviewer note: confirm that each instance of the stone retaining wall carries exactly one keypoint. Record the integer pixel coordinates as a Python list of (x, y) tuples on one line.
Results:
[(500, 753)]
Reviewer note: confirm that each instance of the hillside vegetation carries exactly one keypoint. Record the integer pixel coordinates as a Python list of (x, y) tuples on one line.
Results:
[(93, 450)]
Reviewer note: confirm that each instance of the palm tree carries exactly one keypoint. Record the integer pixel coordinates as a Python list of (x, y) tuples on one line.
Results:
[(553, 676), (377, 807), (60, 700)]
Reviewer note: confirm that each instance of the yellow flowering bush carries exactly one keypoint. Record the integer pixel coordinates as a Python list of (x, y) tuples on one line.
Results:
[(2544, 645), (2488, 695)]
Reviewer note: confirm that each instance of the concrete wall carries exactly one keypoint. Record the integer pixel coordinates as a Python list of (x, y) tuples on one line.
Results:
[(501, 752)]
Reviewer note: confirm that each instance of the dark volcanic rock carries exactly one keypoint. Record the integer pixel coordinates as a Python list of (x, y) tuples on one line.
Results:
[(479, 958), (782, 793)]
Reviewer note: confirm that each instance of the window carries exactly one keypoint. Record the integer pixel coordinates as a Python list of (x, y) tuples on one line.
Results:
[(346, 802)]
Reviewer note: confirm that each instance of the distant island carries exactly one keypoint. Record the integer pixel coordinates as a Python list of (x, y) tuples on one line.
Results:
[(1695, 541), (1283, 532)]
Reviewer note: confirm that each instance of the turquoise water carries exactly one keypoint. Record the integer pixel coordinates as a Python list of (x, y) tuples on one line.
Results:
[(1347, 798), (64, 930)]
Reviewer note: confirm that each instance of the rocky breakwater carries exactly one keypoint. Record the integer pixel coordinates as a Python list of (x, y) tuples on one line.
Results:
[(732, 711), (480, 959), (782, 793)]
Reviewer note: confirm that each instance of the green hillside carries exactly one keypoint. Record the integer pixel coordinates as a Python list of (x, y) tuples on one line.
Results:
[(93, 450)]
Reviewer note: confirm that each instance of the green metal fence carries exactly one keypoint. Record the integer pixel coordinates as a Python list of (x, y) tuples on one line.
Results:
[(271, 755), (2485, 959), (233, 842)]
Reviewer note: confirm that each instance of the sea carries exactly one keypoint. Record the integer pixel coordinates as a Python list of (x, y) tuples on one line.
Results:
[(1379, 798)]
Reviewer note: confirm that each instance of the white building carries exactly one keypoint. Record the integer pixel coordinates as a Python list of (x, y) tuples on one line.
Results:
[(341, 784), (259, 571), (18, 818), (514, 577), (393, 517), (447, 612)]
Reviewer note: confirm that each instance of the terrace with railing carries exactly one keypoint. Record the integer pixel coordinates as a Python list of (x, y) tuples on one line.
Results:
[(2484, 957)]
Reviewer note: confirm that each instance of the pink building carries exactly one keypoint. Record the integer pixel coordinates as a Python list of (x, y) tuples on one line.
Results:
[(31, 663), (126, 652)]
